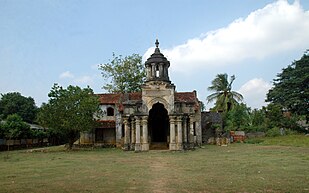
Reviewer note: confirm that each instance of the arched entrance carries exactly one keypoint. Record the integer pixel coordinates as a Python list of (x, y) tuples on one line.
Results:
[(158, 123)]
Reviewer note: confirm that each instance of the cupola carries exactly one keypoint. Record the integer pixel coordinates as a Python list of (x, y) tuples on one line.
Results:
[(157, 66)]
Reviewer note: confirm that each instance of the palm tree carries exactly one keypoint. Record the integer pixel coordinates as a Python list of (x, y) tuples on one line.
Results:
[(223, 95)]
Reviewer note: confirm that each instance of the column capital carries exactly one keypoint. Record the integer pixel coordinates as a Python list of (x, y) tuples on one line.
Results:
[(137, 118), (179, 118), (145, 119), (172, 118)]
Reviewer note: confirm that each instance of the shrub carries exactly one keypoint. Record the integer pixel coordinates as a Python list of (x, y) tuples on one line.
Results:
[(273, 132)]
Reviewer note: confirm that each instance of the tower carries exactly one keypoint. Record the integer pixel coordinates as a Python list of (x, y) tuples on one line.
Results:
[(158, 87), (157, 66)]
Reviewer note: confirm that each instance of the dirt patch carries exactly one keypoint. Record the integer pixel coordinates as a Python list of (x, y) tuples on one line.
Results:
[(159, 178)]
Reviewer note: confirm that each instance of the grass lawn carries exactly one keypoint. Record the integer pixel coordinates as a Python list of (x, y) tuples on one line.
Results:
[(263, 167)]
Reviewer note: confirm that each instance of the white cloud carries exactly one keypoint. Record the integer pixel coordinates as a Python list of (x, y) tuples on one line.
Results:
[(66, 74), (254, 92), (276, 28)]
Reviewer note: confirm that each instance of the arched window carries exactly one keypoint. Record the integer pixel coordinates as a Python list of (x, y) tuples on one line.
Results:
[(110, 111)]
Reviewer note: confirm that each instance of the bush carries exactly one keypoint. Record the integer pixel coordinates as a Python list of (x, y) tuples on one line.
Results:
[(254, 141), (274, 132)]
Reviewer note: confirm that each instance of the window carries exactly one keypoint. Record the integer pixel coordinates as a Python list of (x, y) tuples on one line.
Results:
[(110, 111)]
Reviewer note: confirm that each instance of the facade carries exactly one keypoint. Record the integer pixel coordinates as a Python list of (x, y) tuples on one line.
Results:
[(156, 117)]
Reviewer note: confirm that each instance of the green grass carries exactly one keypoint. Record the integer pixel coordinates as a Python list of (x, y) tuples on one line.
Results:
[(268, 167)]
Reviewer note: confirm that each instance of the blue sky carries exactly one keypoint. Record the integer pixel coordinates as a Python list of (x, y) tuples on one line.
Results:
[(43, 42)]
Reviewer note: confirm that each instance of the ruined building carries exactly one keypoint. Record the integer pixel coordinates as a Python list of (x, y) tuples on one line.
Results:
[(156, 117)]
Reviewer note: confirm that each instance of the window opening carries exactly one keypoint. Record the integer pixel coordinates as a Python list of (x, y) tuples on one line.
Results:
[(110, 111)]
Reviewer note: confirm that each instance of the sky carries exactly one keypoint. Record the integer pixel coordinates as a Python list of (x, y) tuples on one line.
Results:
[(43, 42)]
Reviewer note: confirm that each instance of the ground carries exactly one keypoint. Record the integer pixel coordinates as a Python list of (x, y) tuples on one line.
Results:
[(262, 167)]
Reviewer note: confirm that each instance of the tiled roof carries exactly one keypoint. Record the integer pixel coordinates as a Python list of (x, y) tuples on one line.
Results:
[(109, 98), (120, 99), (185, 97), (135, 96)]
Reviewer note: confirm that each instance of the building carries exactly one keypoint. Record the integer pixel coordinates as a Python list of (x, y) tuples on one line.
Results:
[(156, 117)]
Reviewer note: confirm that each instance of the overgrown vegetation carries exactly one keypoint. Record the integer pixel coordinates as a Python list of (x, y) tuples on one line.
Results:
[(123, 75), (271, 120), (70, 111)]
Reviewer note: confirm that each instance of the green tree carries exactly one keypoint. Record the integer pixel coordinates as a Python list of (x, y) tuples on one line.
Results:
[(257, 117), (15, 103), (291, 88), (123, 74), (70, 111), (16, 128), (223, 95), (238, 118)]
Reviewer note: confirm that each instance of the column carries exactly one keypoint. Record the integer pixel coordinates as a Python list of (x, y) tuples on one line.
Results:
[(191, 136), (185, 137), (161, 70), (179, 134), (145, 144), (137, 134), (153, 70), (132, 146), (172, 133), (126, 134)]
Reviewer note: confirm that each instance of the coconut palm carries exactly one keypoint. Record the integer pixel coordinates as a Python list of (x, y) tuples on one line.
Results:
[(223, 95)]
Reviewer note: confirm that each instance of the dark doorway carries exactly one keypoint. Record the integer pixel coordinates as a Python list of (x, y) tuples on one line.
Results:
[(158, 123)]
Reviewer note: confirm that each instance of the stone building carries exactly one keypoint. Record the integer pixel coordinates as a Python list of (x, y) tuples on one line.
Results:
[(156, 117)]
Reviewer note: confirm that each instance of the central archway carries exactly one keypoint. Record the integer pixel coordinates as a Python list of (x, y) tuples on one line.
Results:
[(158, 123)]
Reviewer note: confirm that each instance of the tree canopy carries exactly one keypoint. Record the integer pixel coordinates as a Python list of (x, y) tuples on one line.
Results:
[(223, 95), (70, 111), (291, 87), (124, 75), (15, 103), (15, 128)]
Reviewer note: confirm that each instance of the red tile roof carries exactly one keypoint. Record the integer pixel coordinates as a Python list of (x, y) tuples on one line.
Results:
[(135, 96), (185, 97), (119, 99), (109, 98)]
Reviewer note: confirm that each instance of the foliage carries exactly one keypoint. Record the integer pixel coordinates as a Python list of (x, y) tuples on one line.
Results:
[(2, 135), (70, 111), (202, 106), (291, 88), (238, 118), (16, 128), (273, 132), (124, 74), (40, 134), (15, 103), (223, 95), (258, 120)]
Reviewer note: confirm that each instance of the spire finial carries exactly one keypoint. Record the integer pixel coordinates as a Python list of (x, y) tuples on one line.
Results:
[(157, 43)]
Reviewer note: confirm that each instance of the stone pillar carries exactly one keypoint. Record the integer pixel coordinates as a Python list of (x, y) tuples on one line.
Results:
[(126, 134), (165, 72), (149, 73), (137, 134), (161, 70), (179, 134), (172, 133), (132, 135), (145, 144), (185, 136), (191, 133), (153, 70)]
